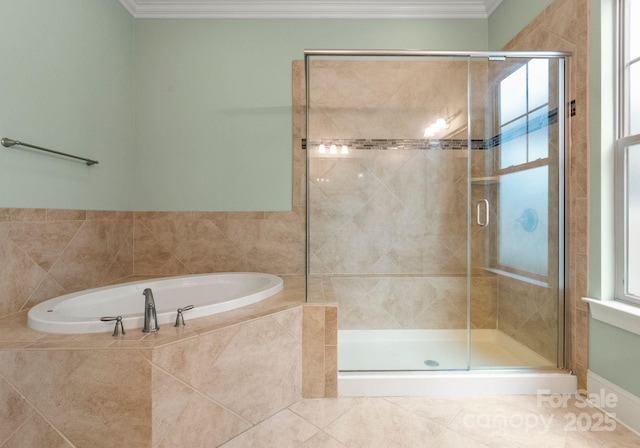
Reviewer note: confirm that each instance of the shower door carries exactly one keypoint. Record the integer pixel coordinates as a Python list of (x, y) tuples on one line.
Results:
[(516, 203), (434, 207), (387, 198)]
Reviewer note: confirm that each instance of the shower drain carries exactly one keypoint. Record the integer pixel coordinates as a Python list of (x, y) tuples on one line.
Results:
[(431, 363)]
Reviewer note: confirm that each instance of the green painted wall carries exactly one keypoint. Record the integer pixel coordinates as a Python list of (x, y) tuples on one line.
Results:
[(66, 84), (615, 355), (213, 116), (510, 18)]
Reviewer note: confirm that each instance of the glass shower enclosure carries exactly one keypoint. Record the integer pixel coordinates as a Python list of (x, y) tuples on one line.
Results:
[(435, 207)]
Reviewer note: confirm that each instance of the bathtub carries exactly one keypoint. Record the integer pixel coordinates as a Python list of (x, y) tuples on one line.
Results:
[(208, 293)]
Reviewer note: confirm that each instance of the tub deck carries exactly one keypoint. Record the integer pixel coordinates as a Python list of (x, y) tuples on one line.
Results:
[(223, 373), (15, 334)]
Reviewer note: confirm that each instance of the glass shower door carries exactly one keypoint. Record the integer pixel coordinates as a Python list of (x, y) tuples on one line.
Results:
[(387, 197), (515, 201)]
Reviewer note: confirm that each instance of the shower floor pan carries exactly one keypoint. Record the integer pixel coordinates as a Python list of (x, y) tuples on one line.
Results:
[(434, 362)]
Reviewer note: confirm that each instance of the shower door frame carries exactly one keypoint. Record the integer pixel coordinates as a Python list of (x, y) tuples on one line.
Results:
[(563, 199)]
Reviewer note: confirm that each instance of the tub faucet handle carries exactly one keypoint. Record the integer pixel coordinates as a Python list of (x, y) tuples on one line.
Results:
[(150, 316), (180, 317), (119, 326)]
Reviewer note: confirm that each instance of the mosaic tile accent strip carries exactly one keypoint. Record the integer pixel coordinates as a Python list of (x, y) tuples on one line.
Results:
[(360, 144), (443, 144)]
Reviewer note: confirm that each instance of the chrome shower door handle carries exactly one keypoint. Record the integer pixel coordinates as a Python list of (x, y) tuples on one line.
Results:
[(479, 213)]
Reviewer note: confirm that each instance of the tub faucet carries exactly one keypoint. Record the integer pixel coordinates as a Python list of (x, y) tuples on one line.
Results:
[(150, 316)]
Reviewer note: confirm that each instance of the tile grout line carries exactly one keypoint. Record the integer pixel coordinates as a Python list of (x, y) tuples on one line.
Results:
[(35, 411), (189, 386), (164, 246)]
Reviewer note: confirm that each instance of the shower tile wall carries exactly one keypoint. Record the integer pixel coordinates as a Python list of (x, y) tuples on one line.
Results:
[(388, 227), (399, 217), (564, 26)]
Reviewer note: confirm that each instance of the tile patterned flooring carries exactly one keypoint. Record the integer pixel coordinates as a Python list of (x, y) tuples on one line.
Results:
[(438, 422)]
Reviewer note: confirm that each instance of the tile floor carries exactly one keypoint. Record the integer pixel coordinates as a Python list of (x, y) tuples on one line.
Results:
[(438, 422)]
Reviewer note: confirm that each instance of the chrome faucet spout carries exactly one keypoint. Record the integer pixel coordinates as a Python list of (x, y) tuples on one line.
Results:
[(150, 316)]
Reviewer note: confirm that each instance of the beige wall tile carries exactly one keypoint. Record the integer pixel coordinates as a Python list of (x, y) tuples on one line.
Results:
[(23, 214), (14, 412), (72, 252), (252, 369), (66, 215), (313, 332), (19, 275), (291, 321), (88, 395), (86, 260), (330, 371), (43, 241), (36, 433), (182, 417), (331, 325), (313, 377), (151, 257)]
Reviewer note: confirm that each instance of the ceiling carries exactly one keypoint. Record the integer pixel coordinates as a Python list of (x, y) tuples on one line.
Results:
[(312, 9)]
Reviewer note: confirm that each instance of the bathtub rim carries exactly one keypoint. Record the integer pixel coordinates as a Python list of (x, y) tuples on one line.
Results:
[(37, 315)]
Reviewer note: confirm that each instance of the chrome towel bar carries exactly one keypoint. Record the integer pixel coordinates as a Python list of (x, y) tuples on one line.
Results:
[(8, 143)]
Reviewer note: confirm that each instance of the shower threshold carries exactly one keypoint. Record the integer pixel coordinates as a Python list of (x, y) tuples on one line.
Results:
[(434, 362)]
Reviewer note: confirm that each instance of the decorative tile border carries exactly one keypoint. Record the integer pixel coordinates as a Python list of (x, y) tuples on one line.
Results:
[(398, 144), (359, 144)]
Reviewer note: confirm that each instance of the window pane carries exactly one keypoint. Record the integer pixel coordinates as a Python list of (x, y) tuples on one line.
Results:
[(538, 83), (634, 29), (523, 222), (513, 95), (539, 134), (513, 144), (633, 119), (633, 220)]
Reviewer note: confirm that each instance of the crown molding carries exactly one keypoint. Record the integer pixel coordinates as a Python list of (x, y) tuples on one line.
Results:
[(491, 6), (311, 9)]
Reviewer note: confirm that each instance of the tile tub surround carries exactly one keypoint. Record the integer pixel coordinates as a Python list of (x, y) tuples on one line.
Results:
[(45, 253), (208, 381)]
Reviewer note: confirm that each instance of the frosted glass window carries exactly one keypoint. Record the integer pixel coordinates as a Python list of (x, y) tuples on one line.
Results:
[(633, 220), (523, 221), (538, 82), (539, 134), (513, 95), (524, 114), (514, 144)]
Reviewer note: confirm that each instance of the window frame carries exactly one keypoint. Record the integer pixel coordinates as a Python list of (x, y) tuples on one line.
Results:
[(497, 264), (623, 142), (525, 116)]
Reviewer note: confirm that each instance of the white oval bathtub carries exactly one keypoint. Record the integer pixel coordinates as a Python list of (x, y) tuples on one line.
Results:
[(80, 312)]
